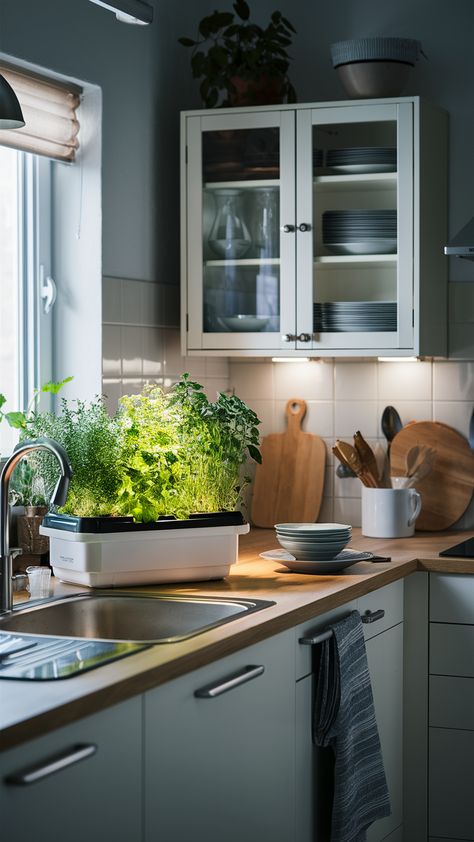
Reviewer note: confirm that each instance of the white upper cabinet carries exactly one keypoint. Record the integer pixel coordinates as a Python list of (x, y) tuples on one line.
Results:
[(316, 229)]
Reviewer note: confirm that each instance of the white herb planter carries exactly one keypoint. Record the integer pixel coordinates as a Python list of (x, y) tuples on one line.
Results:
[(148, 554)]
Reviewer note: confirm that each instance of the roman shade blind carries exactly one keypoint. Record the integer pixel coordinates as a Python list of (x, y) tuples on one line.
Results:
[(49, 109)]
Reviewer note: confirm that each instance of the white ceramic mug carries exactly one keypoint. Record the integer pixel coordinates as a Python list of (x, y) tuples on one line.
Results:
[(389, 512)]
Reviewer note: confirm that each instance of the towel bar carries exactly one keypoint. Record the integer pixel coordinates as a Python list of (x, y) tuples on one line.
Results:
[(368, 617)]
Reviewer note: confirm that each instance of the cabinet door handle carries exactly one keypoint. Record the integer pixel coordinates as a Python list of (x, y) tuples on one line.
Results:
[(288, 229), (288, 337), (303, 227), (210, 691), (51, 766), (373, 616), (304, 337)]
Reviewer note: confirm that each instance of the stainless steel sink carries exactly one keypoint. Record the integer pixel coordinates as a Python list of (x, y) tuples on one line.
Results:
[(129, 617)]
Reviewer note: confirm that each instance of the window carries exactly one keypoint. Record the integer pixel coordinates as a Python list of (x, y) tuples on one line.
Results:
[(25, 316)]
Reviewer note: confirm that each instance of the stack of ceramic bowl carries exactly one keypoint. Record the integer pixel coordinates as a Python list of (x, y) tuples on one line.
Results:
[(313, 541)]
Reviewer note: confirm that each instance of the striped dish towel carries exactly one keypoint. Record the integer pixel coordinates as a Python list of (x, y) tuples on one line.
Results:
[(344, 718)]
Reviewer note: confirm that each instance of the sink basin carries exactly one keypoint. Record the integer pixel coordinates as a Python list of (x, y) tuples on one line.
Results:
[(129, 617)]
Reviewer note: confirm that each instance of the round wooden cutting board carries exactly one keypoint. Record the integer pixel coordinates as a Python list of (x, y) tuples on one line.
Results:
[(446, 492)]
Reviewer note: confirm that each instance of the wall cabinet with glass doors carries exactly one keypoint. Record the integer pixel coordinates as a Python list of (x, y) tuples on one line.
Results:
[(315, 228)]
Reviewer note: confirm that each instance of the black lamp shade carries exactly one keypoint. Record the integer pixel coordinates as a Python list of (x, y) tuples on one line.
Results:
[(11, 116)]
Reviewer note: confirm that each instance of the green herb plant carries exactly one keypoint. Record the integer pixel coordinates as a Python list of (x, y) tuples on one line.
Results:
[(91, 440), (28, 486), (182, 453), (173, 453), (228, 47)]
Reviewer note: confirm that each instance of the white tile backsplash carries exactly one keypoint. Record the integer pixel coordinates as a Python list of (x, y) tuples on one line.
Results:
[(310, 381), (252, 380), (453, 381), (355, 379), (141, 344), (131, 302), (455, 413), (350, 416), (404, 381)]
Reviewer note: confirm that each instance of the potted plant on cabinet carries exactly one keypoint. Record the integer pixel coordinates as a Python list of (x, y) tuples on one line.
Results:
[(30, 491), (241, 63), (154, 489)]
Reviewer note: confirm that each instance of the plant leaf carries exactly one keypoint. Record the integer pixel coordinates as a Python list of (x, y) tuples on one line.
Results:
[(242, 9), (54, 388), (187, 42), (255, 453), (17, 420)]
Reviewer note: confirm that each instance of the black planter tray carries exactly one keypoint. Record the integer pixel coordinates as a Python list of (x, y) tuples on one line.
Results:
[(100, 525)]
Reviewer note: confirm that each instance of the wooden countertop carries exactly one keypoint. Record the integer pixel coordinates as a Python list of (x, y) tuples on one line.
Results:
[(30, 709)]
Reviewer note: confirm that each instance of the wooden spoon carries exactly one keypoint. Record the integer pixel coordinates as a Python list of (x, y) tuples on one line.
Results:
[(367, 457), (347, 454)]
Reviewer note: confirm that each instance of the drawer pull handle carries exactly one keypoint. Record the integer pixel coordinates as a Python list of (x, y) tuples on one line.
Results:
[(373, 616), (51, 766), (213, 690), (368, 617)]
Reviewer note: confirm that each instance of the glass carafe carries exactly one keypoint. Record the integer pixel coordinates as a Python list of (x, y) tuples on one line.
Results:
[(266, 226), (229, 237)]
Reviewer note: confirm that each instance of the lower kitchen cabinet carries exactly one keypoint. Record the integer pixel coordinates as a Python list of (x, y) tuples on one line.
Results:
[(219, 750), (384, 644), (451, 717), (93, 795)]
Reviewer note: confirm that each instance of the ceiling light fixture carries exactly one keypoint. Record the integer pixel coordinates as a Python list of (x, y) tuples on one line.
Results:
[(128, 11), (11, 116)]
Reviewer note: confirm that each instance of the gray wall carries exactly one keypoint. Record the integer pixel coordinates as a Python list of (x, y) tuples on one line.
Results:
[(146, 81)]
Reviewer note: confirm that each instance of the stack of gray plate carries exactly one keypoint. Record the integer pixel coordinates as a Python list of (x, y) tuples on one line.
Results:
[(313, 541), (315, 548), (348, 316), (362, 159), (360, 231)]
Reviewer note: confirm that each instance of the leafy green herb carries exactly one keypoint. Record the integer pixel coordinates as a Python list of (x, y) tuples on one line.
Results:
[(183, 454), (28, 487), (90, 438)]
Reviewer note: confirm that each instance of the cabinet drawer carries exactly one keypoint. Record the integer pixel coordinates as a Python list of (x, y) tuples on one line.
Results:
[(451, 649), (451, 772), (452, 702), (390, 600), (451, 598), (304, 654)]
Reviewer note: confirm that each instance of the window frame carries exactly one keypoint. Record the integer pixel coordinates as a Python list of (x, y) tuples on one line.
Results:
[(34, 325)]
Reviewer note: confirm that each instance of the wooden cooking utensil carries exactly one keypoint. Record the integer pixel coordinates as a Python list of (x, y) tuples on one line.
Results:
[(367, 457), (447, 489), (288, 485), (347, 454)]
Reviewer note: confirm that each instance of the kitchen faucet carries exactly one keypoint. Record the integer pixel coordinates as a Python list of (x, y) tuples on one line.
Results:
[(58, 498)]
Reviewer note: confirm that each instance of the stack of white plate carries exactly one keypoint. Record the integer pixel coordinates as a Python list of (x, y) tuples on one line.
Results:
[(344, 316), (362, 159), (360, 231), (313, 541), (315, 548)]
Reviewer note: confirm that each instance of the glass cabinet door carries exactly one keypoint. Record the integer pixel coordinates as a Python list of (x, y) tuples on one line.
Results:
[(240, 255), (354, 227)]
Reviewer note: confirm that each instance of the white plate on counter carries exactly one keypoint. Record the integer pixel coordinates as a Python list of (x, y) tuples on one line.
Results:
[(329, 566)]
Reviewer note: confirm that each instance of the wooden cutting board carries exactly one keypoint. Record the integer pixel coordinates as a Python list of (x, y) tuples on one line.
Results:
[(288, 485), (446, 492)]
